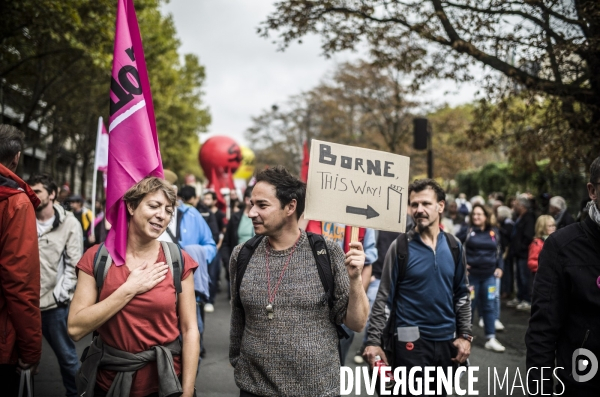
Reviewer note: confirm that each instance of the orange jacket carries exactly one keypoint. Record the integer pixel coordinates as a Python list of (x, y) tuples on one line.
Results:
[(534, 253), (20, 317)]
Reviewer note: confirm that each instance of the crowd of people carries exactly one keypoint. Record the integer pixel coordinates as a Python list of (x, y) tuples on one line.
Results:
[(299, 289)]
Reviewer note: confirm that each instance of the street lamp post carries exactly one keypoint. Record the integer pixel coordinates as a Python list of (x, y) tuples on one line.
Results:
[(422, 141)]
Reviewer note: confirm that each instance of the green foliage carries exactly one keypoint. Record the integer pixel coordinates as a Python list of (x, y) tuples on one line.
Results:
[(511, 180), (543, 54), (55, 66)]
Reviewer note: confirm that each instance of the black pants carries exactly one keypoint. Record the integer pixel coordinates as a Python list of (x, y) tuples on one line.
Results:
[(425, 353), (9, 380), (247, 394)]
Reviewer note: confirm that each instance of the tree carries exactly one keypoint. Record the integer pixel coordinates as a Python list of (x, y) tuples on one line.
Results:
[(452, 143), (55, 70), (547, 51), (363, 104)]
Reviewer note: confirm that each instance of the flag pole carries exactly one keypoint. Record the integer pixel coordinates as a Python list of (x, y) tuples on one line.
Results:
[(95, 175)]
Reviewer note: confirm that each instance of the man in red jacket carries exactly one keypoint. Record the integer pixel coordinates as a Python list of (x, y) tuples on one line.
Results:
[(20, 318)]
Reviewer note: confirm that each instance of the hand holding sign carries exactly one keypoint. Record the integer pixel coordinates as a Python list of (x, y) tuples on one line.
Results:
[(355, 260), (356, 186)]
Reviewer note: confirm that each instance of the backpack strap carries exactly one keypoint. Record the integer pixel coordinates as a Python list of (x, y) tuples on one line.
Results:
[(243, 259), (453, 243), (321, 254), (102, 262), (323, 259), (178, 226), (401, 256), (175, 261)]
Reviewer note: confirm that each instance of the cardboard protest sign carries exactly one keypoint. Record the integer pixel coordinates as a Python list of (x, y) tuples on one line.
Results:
[(357, 187)]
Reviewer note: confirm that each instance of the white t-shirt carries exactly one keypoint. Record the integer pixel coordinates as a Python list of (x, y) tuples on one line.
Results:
[(43, 227)]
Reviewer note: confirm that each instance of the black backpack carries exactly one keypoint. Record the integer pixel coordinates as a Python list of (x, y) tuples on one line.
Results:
[(321, 254), (173, 256)]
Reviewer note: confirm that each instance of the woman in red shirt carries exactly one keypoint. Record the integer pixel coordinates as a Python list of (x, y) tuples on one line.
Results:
[(544, 226), (137, 308)]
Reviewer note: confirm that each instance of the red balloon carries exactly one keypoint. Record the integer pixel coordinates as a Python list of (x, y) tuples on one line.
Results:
[(220, 157), (220, 153)]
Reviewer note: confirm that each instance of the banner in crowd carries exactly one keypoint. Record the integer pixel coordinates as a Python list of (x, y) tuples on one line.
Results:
[(357, 187), (133, 151), (100, 164), (305, 162), (101, 158)]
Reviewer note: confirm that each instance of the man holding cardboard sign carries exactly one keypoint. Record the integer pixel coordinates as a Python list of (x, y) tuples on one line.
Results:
[(283, 339), (424, 278)]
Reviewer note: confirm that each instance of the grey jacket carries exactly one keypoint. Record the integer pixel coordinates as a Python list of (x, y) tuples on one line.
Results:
[(380, 321), (60, 249), (100, 355)]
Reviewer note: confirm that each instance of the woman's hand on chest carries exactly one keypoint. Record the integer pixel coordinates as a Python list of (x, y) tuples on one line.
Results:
[(145, 277)]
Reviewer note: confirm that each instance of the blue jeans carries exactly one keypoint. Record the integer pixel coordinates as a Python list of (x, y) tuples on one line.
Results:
[(485, 302), (54, 329), (523, 276), (498, 291), (214, 272), (371, 295)]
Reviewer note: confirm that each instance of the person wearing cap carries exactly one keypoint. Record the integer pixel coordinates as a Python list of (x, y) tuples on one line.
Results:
[(558, 209), (83, 215)]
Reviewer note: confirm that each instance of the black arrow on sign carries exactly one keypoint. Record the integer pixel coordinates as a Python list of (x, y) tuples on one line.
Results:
[(369, 211)]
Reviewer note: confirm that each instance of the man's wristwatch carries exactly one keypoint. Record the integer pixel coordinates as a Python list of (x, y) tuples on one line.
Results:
[(467, 337)]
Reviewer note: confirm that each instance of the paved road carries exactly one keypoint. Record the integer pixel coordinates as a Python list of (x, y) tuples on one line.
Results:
[(216, 375)]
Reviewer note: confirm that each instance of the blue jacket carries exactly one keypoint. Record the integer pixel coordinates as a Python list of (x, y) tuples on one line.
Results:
[(194, 230), (201, 279), (483, 250)]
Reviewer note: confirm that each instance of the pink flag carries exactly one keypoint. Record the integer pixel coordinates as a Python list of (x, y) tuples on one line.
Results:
[(133, 152)]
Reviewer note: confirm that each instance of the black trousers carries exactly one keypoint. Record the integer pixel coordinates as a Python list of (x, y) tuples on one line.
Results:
[(247, 394), (424, 353), (9, 380)]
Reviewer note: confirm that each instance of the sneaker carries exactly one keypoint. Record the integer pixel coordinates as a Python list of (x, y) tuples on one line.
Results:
[(481, 322), (513, 302), (493, 344), (498, 325), (524, 306), (209, 308)]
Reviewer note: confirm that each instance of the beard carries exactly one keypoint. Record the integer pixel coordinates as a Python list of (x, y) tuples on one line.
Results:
[(42, 206), (422, 226)]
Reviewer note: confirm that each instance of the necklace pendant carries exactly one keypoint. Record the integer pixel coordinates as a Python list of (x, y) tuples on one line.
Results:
[(270, 316), (269, 308)]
